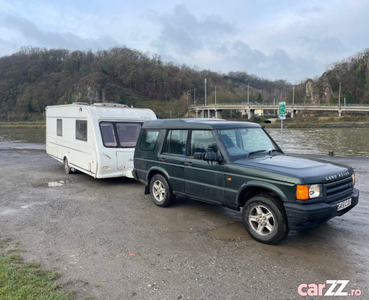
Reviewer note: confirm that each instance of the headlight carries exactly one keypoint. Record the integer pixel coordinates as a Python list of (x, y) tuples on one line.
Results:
[(353, 178), (306, 192)]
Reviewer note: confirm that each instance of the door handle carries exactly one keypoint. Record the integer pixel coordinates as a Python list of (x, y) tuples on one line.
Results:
[(162, 159), (188, 163)]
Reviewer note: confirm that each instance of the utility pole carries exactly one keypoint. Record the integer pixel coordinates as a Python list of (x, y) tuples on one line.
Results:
[(293, 95), (215, 95), (339, 95), (205, 91), (248, 93)]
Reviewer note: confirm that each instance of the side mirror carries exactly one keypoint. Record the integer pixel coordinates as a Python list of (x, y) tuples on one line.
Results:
[(208, 156)]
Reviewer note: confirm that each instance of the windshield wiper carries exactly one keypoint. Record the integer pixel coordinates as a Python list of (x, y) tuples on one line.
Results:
[(252, 152), (277, 150)]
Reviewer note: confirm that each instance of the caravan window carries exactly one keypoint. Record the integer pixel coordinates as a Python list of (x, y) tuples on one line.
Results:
[(108, 135), (81, 130), (120, 135), (59, 127), (128, 134)]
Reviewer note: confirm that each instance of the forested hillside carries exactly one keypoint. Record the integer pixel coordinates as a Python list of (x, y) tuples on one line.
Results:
[(351, 76), (33, 78)]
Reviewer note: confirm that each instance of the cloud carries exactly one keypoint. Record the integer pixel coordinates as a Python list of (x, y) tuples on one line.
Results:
[(27, 33), (183, 33), (284, 40), (212, 43)]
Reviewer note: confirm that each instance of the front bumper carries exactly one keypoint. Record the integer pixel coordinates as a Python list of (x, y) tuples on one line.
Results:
[(302, 216)]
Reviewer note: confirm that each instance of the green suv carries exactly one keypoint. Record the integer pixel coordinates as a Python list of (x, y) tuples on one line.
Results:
[(237, 164)]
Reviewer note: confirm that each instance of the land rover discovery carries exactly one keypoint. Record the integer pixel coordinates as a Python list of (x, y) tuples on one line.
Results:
[(238, 165)]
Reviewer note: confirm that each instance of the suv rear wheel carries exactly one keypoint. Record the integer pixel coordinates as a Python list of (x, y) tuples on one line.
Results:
[(265, 220), (160, 191)]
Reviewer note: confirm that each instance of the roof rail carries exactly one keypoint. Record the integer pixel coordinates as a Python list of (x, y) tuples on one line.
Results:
[(110, 104), (81, 103)]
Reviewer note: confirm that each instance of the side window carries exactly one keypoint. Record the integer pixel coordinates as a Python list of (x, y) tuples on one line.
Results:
[(148, 139), (108, 135), (203, 141), (128, 134), (176, 142), (81, 130), (59, 127)]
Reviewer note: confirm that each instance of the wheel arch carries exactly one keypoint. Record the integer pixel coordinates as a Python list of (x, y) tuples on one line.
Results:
[(150, 174), (254, 188)]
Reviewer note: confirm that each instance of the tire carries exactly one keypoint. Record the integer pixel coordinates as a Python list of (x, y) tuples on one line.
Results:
[(160, 191), (67, 168), (265, 220)]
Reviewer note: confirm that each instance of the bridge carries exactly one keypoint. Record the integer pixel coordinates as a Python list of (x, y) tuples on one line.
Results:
[(215, 110)]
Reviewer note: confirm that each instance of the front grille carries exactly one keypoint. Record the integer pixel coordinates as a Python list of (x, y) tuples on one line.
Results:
[(338, 190)]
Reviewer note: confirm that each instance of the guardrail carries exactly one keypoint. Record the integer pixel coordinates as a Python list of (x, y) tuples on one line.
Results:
[(276, 105)]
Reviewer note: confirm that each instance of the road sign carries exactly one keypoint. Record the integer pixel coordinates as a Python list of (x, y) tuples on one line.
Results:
[(282, 108), (282, 116)]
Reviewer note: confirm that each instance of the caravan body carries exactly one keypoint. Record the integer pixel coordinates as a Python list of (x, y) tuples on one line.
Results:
[(97, 139)]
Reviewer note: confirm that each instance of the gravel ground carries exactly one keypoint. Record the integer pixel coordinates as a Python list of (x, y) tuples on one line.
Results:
[(109, 241)]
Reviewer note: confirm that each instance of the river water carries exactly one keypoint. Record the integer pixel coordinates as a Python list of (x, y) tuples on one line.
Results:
[(342, 141), (352, 142)]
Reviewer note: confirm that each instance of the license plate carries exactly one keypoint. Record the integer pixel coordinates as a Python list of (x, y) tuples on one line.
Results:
[(343, 204)]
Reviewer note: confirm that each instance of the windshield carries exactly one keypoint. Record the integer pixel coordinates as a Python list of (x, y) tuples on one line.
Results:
[(246, 141)]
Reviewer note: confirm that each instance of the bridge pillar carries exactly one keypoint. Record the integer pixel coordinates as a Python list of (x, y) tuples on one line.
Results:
[(218, 114), (250, 113)]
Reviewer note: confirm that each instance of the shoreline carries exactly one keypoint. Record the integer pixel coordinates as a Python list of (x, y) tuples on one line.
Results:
[(286, 124), (317, 125)]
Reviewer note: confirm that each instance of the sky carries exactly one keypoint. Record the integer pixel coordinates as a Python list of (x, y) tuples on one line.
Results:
[(288, 40)]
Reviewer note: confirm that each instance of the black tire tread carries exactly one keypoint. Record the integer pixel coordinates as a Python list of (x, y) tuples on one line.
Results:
[(282, 227)]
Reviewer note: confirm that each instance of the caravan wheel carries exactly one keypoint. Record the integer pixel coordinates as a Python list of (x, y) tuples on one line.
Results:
[(66, 166)]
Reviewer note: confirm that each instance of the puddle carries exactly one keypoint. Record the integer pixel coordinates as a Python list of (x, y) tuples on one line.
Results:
[(52, 184), (230, 232), (55, 183)]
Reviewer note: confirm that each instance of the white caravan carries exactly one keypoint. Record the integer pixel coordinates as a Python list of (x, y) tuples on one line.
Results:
[(97, 139)]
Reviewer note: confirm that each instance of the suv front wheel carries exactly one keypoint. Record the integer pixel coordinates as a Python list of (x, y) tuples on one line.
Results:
[(160, 191), (265, 220)]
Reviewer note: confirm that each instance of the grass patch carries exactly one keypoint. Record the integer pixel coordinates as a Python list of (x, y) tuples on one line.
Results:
[(28, 281), (33, 124), (16, 251)]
